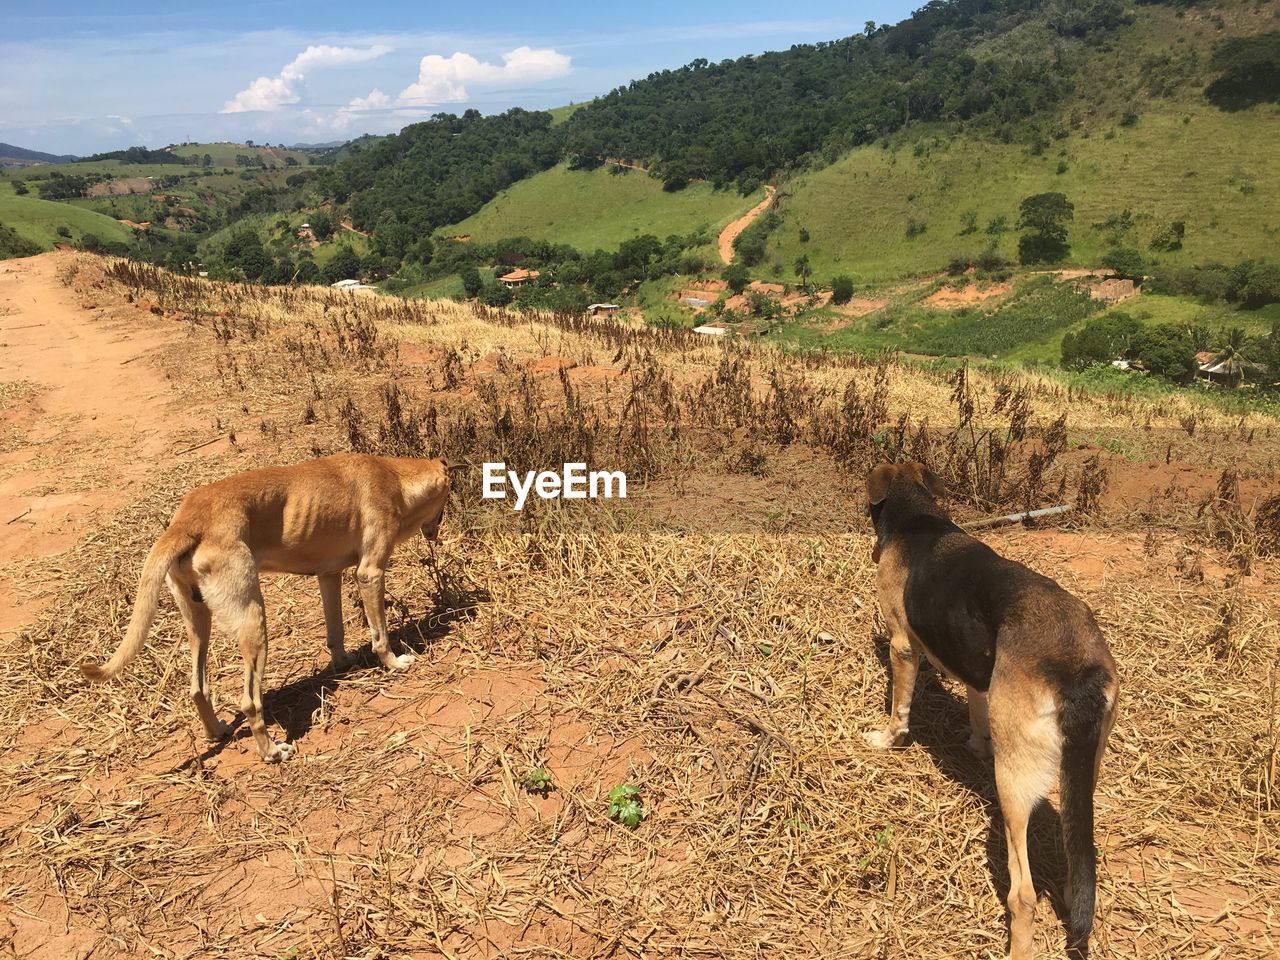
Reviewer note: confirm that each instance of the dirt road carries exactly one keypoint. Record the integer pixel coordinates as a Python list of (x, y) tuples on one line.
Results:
[(83, 413), (730, 233)]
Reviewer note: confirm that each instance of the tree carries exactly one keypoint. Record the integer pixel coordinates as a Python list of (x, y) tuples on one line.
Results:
[(321, 226), (1126, 263), (345, 265), (1268, 349), (803, 270), (1101, 340), (1231, 355), (1045, 215), (736, 276), (1261, 284), (1166, 351), (842, 289), (471, 280)]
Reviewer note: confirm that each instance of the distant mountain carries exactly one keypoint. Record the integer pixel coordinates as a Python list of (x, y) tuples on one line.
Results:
[(11, 156), (327, 145)]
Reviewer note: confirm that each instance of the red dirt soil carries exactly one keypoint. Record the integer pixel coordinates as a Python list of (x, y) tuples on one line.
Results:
[(730, 233)]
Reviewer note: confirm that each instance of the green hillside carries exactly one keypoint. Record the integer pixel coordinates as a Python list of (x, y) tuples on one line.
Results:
[(39, 220), (224, 154), (1167, 165), (599, 209)]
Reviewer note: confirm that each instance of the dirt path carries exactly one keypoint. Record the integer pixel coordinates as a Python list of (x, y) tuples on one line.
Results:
[(83, 415), (730, 233)]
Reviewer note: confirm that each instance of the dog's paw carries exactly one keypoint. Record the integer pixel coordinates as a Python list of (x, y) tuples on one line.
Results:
[(343, 661), (280, 752), (882, 739), (980, 747), (402, 662), (219, 733)]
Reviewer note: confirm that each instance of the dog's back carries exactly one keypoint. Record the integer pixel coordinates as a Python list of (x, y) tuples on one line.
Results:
[(1017, 639)]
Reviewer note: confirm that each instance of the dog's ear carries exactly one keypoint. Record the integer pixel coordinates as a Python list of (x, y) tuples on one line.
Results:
[(930, 481), (878, 482)]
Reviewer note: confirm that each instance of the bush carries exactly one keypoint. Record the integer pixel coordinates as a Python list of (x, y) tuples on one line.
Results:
[(736, 276), (345, 265), (14, 245), (916, 227), (1101, 340), (495, 295), (1169, 239), (1126, 263), (471, 280), (841, 289), (1166, 351)]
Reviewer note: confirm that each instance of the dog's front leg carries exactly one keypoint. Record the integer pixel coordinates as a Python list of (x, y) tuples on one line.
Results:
[(372, 591), (905, 662), (331, 598)]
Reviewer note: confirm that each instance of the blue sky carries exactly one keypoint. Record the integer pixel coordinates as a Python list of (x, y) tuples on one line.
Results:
[(79, 80)]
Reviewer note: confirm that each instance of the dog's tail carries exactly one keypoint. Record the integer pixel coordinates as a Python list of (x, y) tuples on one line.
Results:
[(171, 545), (1084, 720), (450, 464)]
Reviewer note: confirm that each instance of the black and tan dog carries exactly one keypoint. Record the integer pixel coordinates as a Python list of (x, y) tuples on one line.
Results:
[(1042, 686)]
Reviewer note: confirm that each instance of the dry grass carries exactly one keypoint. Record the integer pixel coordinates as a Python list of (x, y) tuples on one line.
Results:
[(725, 671)]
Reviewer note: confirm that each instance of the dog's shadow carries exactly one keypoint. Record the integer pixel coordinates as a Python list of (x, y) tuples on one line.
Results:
[(297, 705), (936, 716)]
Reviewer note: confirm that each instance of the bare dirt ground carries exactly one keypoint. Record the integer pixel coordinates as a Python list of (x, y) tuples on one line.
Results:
[(730, 233), (121, 186), (86, 419), (726, 670), (969, 295)]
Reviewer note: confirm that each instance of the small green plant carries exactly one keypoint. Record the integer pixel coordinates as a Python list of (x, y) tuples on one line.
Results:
[(539, 780), (884, 840), (625, 805)]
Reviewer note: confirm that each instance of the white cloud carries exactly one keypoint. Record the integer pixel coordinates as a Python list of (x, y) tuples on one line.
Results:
[(376, 100), (442, 80), (271, 93)]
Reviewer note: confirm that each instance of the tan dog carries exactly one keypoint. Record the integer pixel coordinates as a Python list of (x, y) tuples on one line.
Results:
[(1042, 686), (314, 518)]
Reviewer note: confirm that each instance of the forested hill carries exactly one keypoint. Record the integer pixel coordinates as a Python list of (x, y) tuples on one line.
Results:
[(741, 121), (995, 67), (443, 170)]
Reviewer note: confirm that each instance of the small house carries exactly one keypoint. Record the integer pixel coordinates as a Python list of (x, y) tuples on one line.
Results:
[(603, 309), (709, 331), (519, 277)]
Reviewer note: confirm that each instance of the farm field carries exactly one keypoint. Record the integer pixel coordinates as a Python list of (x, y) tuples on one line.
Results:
[(713, 640), (599, 209)]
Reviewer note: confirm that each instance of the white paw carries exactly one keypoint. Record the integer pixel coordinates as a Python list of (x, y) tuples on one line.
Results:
[(881, 739), (979, 746), (280, 752), (402, 662)]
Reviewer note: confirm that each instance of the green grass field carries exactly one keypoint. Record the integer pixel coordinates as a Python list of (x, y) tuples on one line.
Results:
[(1168, 166), (599, 209), (39, 220), (224, 154)]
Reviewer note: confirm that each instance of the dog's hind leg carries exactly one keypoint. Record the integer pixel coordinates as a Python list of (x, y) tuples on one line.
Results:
[(1028, 751), (199, 623), (905, 662), (331, 598), (234, 596), (372, 574)]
